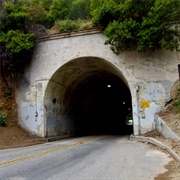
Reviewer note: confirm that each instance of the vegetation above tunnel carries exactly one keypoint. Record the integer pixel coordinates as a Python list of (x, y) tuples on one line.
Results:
[(140, 25)]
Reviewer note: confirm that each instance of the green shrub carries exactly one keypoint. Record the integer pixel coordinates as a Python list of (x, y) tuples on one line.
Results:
[(176, 103), (7, 93), (3, 121), (36, 14), (85, 24), (104, 12), (60, 9), (66, 25), (80, 9), (13, 16), (69, 25), (140, 25), (17, 40)]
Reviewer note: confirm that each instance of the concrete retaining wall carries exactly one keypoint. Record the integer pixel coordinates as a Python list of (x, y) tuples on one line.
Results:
[(162, 128)]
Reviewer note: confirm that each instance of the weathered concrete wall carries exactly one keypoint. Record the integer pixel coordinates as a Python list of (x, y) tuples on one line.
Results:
[(58, 63), (162, 127)]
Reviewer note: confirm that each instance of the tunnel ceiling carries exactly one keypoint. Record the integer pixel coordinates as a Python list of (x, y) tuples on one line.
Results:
[(73, 73)]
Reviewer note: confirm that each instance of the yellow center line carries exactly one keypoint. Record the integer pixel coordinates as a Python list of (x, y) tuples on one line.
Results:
[(45, 152)]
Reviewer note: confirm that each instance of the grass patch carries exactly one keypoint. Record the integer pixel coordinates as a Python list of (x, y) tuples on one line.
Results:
[(176, 101), (72, 25), (3, 121)]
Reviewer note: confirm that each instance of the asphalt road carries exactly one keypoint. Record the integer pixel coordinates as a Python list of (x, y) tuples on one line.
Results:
[(85, 158)]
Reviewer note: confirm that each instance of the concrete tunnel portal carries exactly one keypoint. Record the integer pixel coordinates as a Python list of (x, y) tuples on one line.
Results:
[(87, 96)]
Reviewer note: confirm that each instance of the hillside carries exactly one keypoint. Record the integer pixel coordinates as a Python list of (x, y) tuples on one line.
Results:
[(8, 105), (12, 135), (171, 112), (171, 115)]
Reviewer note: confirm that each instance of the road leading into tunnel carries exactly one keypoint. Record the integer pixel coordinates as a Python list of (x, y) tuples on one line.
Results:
[(83, 158)]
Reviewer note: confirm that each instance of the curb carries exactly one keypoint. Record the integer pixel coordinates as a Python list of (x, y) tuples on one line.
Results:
[(157, 143), (56, 138)]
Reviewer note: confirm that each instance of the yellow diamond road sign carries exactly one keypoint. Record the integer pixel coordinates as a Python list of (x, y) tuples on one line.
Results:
[(145, 104)]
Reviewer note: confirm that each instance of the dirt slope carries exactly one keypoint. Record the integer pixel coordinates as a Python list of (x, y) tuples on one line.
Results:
[(12, 135), (172, 119), (169, 114)]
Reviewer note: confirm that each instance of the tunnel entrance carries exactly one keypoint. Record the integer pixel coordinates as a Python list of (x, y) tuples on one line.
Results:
[(101, 105), (87, 96)]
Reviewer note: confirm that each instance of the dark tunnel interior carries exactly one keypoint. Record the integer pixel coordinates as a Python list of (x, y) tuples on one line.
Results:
[(100, 105)]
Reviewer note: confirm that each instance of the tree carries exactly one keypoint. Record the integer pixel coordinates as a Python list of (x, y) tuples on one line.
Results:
[(80, 9), (141, 25), (104, 12), (36, 14), (59, 9), (46, 4), (12, 16), (15, 40)]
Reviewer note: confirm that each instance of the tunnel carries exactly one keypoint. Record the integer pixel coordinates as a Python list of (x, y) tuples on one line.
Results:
[(87, 96)]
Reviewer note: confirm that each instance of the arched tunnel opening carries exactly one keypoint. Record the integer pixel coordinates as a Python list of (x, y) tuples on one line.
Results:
[(88, 96), (101, 105)]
